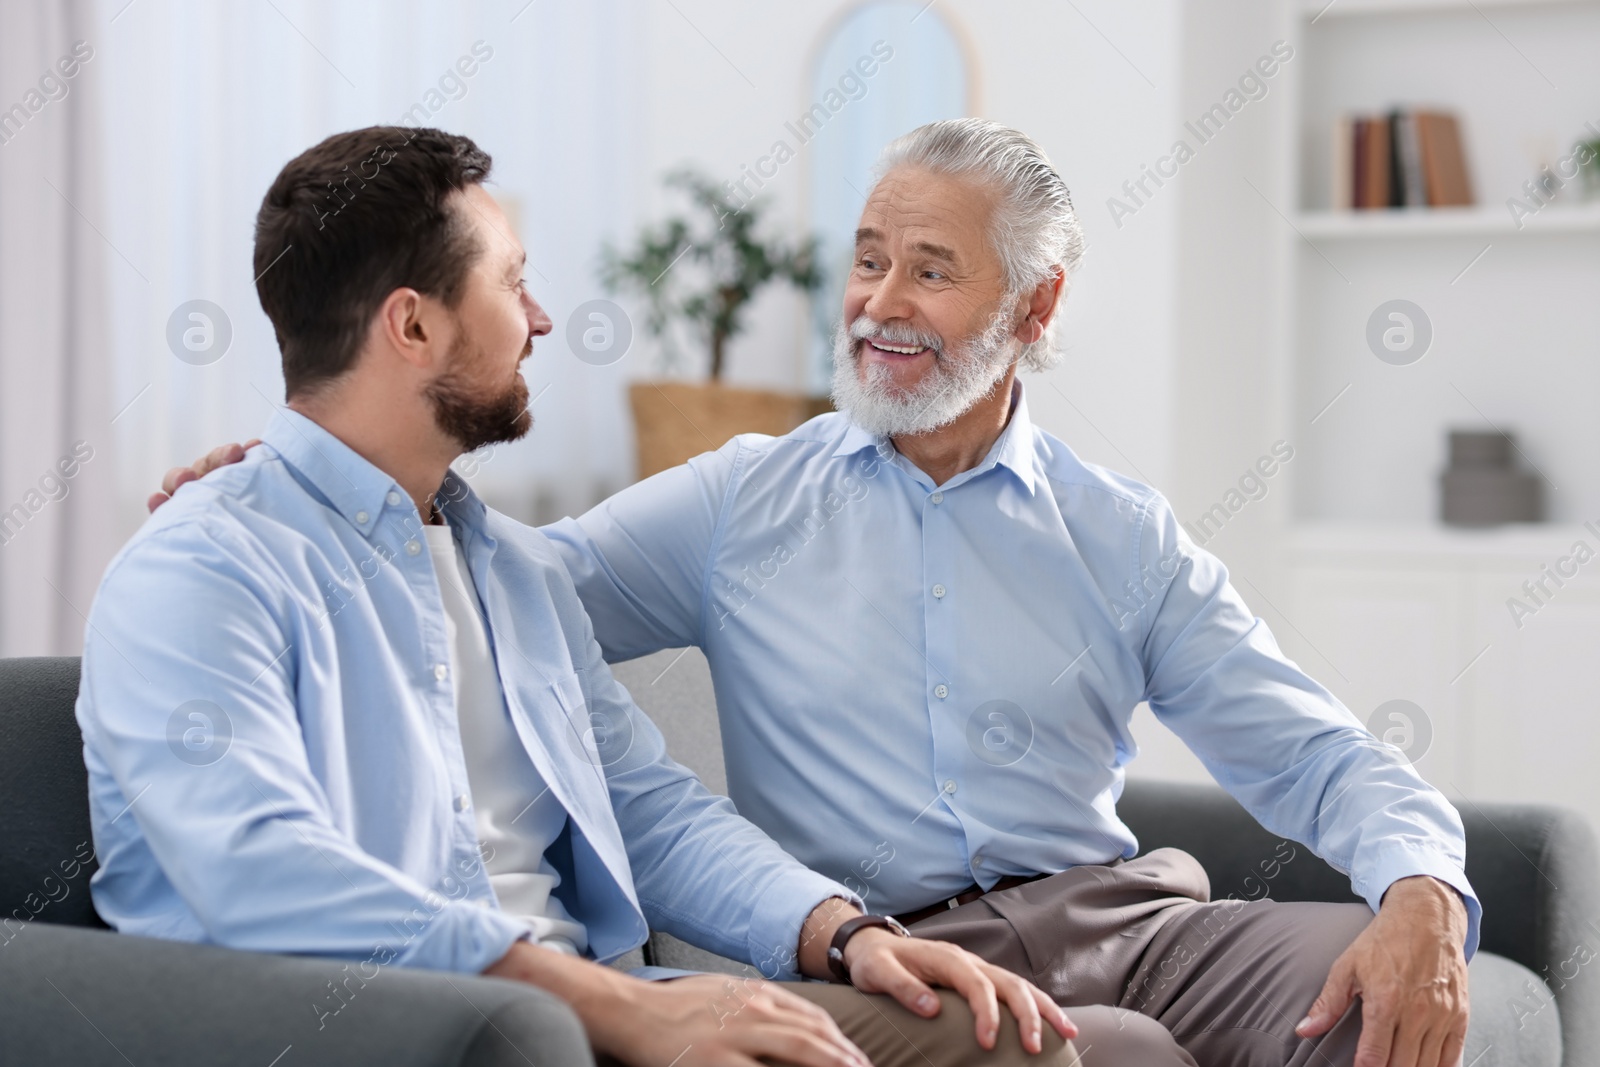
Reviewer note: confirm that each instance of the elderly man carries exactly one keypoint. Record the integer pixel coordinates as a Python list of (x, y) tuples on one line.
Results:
[(929, 623)]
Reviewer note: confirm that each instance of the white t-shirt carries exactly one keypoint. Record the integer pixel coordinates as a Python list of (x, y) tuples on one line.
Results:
[(518, 817)]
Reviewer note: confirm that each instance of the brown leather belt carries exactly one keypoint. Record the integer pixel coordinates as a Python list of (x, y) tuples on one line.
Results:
[(966, 896)]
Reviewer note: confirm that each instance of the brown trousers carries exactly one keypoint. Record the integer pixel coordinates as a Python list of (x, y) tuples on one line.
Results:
[(891, 1036), (1153, 972)]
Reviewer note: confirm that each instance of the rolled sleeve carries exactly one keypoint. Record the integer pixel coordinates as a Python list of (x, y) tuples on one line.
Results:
[(468, 938)]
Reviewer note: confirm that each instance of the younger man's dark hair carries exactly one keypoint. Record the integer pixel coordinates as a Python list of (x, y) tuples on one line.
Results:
[(348, 222)]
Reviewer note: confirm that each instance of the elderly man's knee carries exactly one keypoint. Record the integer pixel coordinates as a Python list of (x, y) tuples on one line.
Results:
[(1116, 1037)]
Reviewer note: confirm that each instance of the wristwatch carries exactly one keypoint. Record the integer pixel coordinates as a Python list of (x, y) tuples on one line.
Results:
[(849, 929)]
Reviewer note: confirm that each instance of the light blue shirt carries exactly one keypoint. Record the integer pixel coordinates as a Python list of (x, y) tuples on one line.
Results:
[(921, 687), (275, 759)]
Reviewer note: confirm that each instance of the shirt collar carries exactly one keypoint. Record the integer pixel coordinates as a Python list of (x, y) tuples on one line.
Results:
[(856, 439), (1013, 449), (356, 488)]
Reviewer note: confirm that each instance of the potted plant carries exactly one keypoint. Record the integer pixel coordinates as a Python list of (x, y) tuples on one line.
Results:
[(1588, 154), (698, 275)]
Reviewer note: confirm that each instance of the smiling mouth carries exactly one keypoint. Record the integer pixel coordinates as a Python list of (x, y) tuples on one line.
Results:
[(897, 350)]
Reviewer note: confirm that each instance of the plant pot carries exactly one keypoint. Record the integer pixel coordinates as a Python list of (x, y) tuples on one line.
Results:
[(676, 421)]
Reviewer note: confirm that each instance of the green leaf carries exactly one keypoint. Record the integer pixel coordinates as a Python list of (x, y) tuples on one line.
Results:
[(700, 270)]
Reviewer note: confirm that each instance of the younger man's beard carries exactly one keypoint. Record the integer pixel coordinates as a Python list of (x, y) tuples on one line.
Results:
[(469, 412)]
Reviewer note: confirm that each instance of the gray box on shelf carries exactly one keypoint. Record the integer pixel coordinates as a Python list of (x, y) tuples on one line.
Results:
[(1483, 485)]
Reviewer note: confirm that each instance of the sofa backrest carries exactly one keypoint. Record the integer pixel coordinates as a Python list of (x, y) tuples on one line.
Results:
[(46, 848)]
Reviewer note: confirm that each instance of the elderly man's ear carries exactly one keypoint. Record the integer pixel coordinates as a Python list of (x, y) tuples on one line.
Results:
[(1041, 307), (220, 456)]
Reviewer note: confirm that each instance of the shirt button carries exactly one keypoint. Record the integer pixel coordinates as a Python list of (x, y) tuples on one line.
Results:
[(949, 785), (412, 548), (938, 591), (393, 498), (941, 691), (361, 518), (440, 671), (461, 802), (937, 498)]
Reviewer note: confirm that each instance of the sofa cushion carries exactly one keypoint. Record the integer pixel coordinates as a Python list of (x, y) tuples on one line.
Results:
[(1515, 1021)]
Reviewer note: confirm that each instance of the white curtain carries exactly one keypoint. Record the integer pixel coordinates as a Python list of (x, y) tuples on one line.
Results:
[(202, 104), (57, 441)]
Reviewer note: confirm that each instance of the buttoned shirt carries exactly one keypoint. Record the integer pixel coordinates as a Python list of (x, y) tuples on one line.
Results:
[(275, 758), (924, 686)]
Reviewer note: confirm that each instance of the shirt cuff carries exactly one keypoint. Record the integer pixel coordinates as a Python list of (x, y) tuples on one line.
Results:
[(779, 916), (463, 936), (1403, 861)]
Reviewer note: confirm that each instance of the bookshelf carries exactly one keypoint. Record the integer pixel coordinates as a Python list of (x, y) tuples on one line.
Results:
[(1338, 9), (1445, 222), (1515, 308), (1384, 601)]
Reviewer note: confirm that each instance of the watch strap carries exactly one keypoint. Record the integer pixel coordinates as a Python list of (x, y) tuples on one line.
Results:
[(848, 929)]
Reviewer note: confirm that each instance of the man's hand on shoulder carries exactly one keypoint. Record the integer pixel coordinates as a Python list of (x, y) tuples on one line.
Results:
[(1410, 972), (220, 456), (702, 1020)]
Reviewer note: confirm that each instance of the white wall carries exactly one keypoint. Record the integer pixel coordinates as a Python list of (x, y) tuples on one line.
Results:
[(1226, 315)]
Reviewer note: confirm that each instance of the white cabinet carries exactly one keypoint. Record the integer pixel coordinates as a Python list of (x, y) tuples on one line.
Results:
[(1395, 613), (1374, 636), (1536, 702)]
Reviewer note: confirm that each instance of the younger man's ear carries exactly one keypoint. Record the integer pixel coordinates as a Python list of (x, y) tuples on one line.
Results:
[(406, 324)]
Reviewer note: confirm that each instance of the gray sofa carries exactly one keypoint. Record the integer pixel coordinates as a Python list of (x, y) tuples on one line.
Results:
[(72, 991)]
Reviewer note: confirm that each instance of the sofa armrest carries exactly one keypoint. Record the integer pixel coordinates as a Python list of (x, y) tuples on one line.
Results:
[(94, 997), (1536, 870)]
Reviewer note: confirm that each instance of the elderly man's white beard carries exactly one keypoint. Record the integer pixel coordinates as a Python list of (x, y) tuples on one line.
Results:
[(958, 379)]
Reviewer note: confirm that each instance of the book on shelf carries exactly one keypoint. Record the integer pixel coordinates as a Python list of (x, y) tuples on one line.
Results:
[(1405, 158)]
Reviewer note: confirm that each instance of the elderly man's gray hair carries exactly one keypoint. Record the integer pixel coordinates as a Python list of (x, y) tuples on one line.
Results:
[(1035, 231)]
